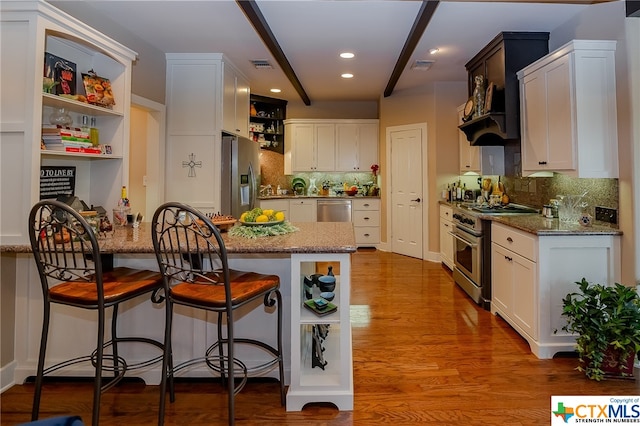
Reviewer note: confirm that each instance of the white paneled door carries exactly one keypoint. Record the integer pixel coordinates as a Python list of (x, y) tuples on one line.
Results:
[(406, 191)]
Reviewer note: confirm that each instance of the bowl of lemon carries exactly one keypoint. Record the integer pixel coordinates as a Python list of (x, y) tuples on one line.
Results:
[(260, 217)]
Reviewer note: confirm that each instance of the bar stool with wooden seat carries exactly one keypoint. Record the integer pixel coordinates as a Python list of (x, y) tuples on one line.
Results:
[(71, 273), (192, 257)]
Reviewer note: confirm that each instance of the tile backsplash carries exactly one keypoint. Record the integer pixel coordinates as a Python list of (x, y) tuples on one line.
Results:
[(272, 173), (538, 191)]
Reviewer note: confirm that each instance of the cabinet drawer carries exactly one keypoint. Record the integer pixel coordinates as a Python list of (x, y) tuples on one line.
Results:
[(446, 212), (281, 205), (517, 241), (366, 218), (366, 204), (367, 235)]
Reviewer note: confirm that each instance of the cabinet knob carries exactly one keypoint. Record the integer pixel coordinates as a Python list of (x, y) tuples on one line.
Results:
[(366, 218), (366, 204), (510, 239), (508, 258), (542, 163), (366, 235), (468, 167)]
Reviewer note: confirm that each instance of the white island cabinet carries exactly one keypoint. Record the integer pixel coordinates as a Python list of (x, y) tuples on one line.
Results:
[(568, 111), (321, 360), (532, 274), (292, 256), (28, 30)]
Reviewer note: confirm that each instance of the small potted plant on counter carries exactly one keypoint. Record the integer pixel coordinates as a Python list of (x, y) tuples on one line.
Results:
[(606, 320)]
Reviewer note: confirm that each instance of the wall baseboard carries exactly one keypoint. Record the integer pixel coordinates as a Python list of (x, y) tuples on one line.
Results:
[(7, 375)]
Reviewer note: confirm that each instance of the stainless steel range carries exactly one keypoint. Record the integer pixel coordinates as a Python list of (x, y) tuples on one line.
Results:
[(472, 247)]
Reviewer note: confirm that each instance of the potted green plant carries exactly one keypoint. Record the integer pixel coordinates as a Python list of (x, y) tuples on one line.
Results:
[(606, 320)]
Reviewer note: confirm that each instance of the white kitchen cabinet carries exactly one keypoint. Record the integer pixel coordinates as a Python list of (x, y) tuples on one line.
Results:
[(321, 369), (356, 145), (480, 160), (568, 111), (309, 146), (194, 130), (235, 101), (196, 113), (366, 221), (33, 28), (446, 239), (531, 274), (330, 145), (277, 205), (513, 294), (303, 210)]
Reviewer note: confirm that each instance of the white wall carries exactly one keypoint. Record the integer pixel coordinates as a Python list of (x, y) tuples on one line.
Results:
[(633, 49)]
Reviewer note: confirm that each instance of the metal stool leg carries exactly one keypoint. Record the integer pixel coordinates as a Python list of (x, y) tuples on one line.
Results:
[(35, 410)]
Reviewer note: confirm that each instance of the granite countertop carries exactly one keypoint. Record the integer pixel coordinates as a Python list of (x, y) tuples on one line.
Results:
[(535, 223), (292, 197), (541, 226), (311, 237)]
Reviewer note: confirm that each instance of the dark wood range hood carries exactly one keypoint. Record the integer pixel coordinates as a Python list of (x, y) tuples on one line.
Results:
[(498, 62)]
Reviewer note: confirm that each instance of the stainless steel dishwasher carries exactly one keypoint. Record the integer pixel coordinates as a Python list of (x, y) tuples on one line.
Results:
[(334, 211)]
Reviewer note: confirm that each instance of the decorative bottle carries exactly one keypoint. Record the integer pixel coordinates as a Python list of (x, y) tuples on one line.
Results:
[(124, 201), (478, 96), (122, 210), (94, 133)]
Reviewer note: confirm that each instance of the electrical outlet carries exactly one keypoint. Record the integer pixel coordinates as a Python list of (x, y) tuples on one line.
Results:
[(606, 214)]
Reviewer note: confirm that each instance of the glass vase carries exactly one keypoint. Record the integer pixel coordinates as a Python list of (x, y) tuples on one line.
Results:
[(60, 117)]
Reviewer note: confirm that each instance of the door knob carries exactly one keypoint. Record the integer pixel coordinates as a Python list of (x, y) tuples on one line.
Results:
[(417, 200)]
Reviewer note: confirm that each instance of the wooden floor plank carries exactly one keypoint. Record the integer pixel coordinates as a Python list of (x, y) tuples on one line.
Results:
[(424, 354)]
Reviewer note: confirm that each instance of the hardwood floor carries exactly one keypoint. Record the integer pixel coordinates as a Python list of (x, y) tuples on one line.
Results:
[(424, 354)]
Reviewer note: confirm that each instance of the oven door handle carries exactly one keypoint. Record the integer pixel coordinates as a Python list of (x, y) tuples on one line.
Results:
[(463, 240)]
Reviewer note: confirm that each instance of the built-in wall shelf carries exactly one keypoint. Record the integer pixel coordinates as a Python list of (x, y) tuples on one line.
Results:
[(266, 122)]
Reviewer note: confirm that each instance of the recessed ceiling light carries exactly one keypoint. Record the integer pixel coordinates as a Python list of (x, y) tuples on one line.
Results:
[(347, 75), (347, 55), (276, 90), (434, 51)]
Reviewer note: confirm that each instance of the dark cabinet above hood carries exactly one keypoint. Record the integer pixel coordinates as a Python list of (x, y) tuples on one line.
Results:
[(498, 63)]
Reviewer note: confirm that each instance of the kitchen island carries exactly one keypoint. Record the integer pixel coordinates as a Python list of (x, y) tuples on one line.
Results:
[(290, 256)]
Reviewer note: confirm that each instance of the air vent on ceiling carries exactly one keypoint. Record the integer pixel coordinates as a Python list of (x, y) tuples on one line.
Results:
[(422, 64), (261, 64)]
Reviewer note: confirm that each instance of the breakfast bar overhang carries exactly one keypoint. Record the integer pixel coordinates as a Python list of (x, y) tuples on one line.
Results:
[(291, 256)]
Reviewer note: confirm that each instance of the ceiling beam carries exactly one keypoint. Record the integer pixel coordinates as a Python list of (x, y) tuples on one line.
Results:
[(419, 25), (252, 11)]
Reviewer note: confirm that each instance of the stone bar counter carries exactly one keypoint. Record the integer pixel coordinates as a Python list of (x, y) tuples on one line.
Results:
[(291, 256), (311, 237)]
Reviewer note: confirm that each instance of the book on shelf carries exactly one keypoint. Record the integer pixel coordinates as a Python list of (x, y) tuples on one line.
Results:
[(70, 133), (83, 150), (68, 140)]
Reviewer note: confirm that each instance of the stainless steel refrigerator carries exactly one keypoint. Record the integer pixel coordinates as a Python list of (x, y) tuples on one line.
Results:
[(240, 175)]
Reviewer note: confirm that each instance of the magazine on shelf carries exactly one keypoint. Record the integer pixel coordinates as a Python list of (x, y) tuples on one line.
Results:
[(62, 74)]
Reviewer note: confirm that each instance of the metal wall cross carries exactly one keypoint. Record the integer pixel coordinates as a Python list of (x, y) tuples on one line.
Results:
[(192, 164)]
